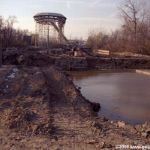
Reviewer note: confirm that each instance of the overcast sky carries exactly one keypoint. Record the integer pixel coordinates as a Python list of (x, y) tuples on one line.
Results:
[(82, 15)]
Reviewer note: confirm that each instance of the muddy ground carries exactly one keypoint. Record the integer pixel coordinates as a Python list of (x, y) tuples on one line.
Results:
[(40, 109), (42, 58)]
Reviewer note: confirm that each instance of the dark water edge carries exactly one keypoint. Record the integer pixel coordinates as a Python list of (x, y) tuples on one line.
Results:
[(123, 95)]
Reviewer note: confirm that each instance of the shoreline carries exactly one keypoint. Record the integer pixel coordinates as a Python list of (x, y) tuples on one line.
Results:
[(145, 72), (75, 63), (82, 78), (49, 111), (40, 106)]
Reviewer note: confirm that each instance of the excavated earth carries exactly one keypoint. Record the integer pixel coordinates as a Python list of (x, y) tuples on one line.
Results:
[(43, 58), (40, 109)]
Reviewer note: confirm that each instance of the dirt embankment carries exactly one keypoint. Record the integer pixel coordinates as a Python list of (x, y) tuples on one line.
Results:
[(118, 63), (40, 108), (34, 58)]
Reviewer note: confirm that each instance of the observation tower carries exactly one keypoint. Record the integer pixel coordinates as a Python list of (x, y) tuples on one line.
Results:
[(50, 29)]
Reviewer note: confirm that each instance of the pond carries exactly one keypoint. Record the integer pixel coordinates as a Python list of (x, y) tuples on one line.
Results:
[(122, 95)]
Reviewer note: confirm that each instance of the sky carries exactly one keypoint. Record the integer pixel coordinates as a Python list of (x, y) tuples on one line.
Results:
[(83, 16)]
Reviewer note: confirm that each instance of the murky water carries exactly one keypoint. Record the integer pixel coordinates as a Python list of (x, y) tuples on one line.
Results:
[(122, 95)]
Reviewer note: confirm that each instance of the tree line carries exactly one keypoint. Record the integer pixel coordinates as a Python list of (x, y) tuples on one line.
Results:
[(132, 36), (9, 36)]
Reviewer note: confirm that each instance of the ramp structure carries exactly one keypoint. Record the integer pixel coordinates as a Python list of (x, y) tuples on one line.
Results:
[(49, 28)]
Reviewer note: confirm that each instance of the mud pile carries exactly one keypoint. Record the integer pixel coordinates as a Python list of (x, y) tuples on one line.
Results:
[(65, 62)]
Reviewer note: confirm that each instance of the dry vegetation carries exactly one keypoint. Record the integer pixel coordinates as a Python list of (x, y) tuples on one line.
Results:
[(134, 34), (11, 37)]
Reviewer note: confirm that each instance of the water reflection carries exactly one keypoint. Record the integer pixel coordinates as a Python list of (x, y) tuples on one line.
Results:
[(123, 95)]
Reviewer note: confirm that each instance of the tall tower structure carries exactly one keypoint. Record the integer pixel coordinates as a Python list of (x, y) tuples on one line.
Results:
[(49, 28)]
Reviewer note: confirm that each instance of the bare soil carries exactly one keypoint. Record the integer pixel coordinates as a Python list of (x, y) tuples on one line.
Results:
[(40, 109)]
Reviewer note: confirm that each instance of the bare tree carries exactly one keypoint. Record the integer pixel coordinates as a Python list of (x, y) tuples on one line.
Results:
[(8, 31), (1, 26), (97, 40), (133, 35), (133, 14), (1, 23), (11, 37)]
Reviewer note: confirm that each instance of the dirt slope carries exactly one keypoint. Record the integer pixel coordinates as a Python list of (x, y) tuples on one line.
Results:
[(40, 108)]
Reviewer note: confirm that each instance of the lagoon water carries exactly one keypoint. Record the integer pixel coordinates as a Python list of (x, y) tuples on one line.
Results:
[(122, 95)]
